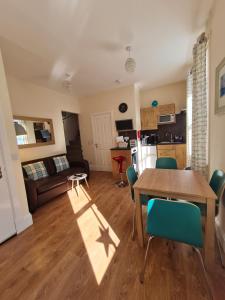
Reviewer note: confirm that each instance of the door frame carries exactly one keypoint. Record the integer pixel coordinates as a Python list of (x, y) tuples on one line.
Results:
[(94, 165)]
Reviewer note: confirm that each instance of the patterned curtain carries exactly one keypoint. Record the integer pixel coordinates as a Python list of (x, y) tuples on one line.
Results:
[(199, 158), (189, 118)]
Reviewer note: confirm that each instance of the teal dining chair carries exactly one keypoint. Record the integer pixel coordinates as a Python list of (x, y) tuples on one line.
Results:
[(132, 178), (175, 221), (217, 183), (166, 163)]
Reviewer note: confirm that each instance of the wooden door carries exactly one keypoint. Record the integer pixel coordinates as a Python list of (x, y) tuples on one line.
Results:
[(7, 225), (103, 140)]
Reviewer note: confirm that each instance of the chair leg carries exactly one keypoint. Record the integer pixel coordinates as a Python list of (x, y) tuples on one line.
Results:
[(133, 225), (142, 274), (205, 273)]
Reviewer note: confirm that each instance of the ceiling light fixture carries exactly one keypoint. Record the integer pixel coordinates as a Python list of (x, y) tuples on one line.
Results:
[(130, 64), (67, 82)]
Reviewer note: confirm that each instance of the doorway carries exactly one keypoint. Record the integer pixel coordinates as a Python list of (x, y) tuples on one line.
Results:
[(103, 140), (72, 136)]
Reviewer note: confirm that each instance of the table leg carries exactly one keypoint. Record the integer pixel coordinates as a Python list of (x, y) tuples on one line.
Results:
[(72, 184), (139, 221), (86, 182), (209, 247)]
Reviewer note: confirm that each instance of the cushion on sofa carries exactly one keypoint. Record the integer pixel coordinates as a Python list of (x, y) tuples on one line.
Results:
[(61, 163), (36, 170), (49, 183), (71, 171)]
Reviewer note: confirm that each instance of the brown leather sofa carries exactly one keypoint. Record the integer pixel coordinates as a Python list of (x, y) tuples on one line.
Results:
[(43, 190)]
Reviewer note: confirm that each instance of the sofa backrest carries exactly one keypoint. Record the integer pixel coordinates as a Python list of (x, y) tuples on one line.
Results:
[(48, 162)]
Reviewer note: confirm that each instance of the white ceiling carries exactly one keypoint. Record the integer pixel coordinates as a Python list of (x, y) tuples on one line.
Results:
[(41, 40)]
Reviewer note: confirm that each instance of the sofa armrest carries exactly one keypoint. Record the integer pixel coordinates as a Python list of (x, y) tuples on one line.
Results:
[(31, 191), (83, 164)]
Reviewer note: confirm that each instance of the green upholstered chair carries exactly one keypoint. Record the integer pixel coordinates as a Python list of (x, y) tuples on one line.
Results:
[(166, 163), (132, 178), (217, 183), (176, 221)]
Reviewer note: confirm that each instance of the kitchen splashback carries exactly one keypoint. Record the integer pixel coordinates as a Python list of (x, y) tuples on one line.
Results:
[(164, 131)]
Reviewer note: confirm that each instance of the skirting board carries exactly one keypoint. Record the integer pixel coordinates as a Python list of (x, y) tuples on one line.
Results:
[(221, 241), (23, 223)]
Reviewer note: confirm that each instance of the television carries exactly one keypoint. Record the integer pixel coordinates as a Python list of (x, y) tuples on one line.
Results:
[(124, 125)]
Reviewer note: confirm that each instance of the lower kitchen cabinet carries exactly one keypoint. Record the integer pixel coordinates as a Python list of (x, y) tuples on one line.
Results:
[(177, 151)]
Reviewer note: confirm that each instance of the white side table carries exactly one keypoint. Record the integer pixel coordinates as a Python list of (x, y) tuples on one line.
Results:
[(78, 178)]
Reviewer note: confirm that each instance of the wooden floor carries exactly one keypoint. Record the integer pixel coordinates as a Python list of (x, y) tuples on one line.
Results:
[(81, 248)]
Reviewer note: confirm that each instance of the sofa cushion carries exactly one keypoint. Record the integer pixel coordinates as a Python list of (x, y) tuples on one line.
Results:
[(49, 183), (71, 171), (61, 163), (36, 170)]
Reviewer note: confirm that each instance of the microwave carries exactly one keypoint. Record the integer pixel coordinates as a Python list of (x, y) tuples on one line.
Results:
[(167, 119)]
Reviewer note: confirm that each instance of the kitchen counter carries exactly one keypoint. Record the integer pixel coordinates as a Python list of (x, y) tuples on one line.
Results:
[(171, 143), (117, 148), (166, 143)]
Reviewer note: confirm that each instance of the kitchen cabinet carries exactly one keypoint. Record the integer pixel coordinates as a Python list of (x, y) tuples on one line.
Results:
[(177, 151), (167, 109), (181, 156), (149, 118), (150, 115)]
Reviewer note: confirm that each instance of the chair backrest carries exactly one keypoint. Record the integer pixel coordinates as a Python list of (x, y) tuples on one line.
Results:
[(166, 163), (132, 178), (217, 183)]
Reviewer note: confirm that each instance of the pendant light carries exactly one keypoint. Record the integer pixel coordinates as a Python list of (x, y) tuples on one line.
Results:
[(130, 64)]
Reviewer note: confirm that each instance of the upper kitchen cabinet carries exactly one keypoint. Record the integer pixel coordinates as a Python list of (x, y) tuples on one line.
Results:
[(167, 109), (149, 118)]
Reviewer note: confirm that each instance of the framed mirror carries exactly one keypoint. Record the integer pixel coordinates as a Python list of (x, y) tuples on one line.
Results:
[(33, 132)]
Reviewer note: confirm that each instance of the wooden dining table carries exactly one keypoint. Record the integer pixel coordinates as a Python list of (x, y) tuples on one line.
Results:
[(178, 184)]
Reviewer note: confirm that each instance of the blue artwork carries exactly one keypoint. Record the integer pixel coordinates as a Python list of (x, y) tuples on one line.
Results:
[(222, 85), (154, 103)]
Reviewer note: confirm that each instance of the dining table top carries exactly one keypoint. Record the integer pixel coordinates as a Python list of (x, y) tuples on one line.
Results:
[(182, 184)]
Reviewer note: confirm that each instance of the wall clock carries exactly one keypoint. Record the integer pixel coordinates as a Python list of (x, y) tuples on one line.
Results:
[(123, 107)]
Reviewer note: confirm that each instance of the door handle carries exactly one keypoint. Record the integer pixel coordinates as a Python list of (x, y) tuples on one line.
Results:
[(1, 173), (96, 145)]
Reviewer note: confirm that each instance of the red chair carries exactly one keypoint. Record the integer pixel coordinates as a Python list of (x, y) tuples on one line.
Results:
[(120, 159)]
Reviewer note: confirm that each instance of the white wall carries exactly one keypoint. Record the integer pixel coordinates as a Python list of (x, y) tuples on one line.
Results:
[(104, 102), (22, 216), (28, 99), (166, 94), (217, 122)]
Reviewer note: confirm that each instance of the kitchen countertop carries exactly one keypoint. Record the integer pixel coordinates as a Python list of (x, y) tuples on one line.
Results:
[(117, 148), (168, 143)]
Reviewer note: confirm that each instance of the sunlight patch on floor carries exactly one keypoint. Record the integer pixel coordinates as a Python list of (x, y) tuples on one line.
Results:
[(78, 198), (99, 238)]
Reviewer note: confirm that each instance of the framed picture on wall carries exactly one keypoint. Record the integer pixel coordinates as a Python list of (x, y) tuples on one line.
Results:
[(220, 88)]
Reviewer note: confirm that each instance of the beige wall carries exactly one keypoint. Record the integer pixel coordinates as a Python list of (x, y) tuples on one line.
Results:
[(22, 216), (104, 102), (170, 93), (217, 122), (28, 99)]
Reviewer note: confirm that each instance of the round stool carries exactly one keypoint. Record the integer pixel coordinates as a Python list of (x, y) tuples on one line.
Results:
[(119, 159)]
